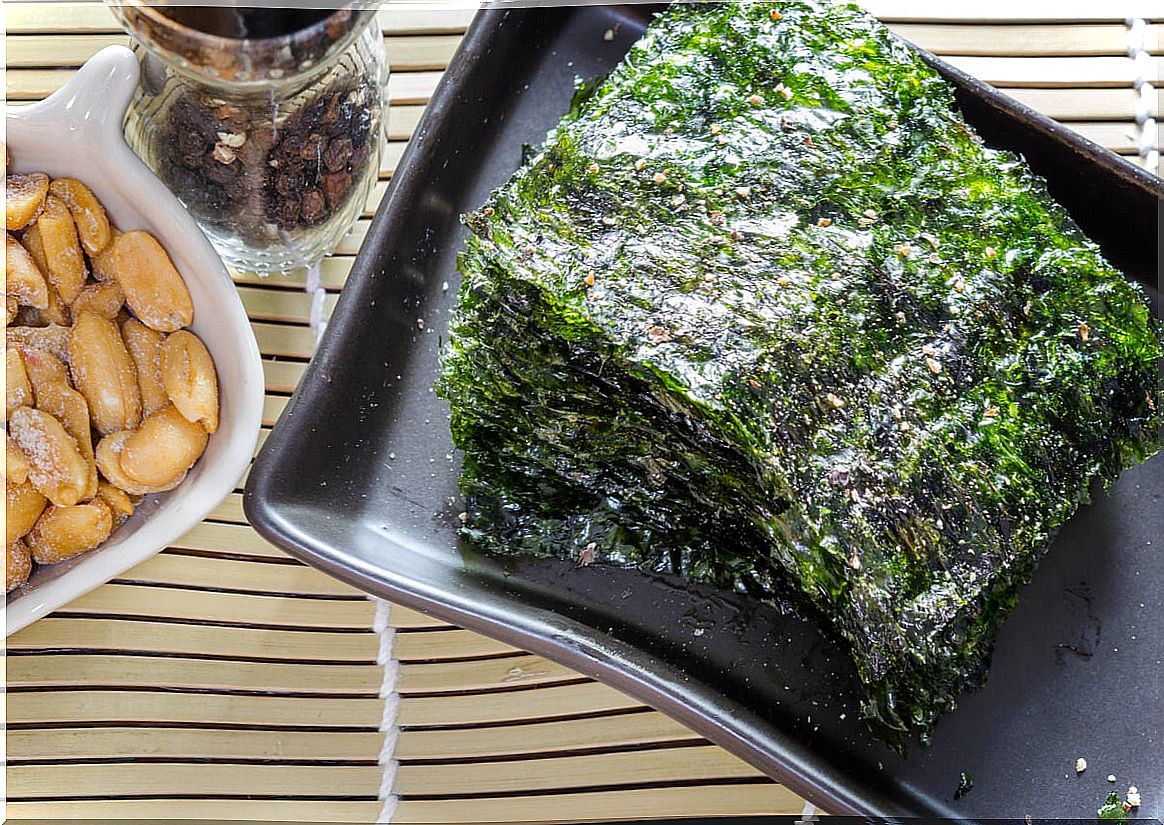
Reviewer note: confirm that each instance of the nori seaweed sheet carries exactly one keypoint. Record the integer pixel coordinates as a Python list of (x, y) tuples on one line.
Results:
[(765, 312)]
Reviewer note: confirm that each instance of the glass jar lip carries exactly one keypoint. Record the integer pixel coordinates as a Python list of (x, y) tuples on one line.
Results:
[(242, 59)]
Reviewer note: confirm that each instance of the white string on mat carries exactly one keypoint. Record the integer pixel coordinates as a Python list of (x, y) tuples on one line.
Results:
[(385, 634), (391, 699), (318, 294), (1143, 68)]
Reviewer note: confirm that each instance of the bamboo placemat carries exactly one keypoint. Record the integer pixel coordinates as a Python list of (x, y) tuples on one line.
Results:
[(222, 679)]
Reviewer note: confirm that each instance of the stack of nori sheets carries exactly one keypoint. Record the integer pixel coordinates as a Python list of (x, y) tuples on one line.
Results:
[(766, 313)]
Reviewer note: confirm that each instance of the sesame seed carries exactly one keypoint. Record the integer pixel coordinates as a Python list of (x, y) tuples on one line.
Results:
[(775, 15), (823, 222), (1080, 765), (660, 177), (1084, 331), (835, 401), (593, 169), (934, 365), (903, 249), (640, 165), (608, 221), (715, 128), (744, 191), (589, 280), (991, 252), (755, 100), (783, 280)]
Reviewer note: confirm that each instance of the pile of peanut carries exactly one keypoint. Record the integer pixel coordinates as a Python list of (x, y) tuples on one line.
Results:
[(108, 398)]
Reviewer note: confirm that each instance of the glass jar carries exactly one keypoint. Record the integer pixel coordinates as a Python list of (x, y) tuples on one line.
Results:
[(267, 127)]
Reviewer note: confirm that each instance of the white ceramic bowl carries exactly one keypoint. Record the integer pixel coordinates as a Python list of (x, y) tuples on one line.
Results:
[(77, 133)]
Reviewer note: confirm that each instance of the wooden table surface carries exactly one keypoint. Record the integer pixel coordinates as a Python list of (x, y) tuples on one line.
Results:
[(222, 679)]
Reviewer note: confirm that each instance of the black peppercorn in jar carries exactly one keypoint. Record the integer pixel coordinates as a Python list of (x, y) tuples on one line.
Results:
[(265, 122)]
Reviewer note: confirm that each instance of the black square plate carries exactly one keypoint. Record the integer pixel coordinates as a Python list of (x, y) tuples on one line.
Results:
[(359, 478)]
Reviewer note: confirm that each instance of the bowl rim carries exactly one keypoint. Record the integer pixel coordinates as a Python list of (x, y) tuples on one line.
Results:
[(85, 113)]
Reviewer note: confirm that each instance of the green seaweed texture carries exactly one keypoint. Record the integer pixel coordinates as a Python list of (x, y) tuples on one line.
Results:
[(766, 313)]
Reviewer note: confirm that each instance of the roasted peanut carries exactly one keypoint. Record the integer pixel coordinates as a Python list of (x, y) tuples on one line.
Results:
[(145, 348), (42, 367), (55, 465), (163, 449), (64, 532), (189, 377), (15, 464), (25, 282), (108, 456), (11, 309), (88, 213), (104, 373), (103, 263), (17, 387), (53, 339), (62, 249), (103, 298), (23, 505), (18, 565), (120, 505), (24, 198), (153, 288), (68, 406)]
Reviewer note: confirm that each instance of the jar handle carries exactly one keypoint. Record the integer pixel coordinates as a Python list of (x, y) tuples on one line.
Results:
[(92, 103)]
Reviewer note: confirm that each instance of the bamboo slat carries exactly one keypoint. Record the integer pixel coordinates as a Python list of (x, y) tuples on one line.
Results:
[(180, 779), (270, 810), (553, 702), (235, 576), (1008, 11), (190, 743), (523, 671), (88, 707), (1026, 41), (112, 671), (129, 601), (666, 766), (447, 644), (590, 733), (174, 639), (608, 805)]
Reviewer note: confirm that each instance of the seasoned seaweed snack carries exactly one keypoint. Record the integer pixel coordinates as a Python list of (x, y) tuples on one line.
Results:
[(766, 313)]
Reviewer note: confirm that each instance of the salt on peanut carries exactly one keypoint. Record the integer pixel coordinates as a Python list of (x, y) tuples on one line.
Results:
[(15, 463), (108, 457), (103, 298), (154, 290), (68, 406), (24, 197), (18, 564), (63, 532), (24, 280), (163, 448), (23, 505), (56, 467), (62, 249), (43, 367), (104, 373), (11, 309), (119, 503), (88, 213), (17, 387), (189, 378), (145, 348)]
